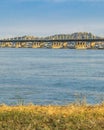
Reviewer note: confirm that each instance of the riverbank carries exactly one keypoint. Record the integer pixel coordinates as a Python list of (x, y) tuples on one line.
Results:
[(70, 117)]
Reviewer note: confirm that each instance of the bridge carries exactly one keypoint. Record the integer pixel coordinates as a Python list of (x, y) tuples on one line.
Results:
[(54, 43)]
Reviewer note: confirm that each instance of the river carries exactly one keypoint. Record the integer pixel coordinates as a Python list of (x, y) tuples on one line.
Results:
[(51, 76)]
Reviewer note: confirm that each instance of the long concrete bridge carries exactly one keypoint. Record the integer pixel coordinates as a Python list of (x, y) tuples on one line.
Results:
[(51, 43)]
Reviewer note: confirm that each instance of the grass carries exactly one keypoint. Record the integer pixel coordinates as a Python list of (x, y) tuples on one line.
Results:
[(70, 117)]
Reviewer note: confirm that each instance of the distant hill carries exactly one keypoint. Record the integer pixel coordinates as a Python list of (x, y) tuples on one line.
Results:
[(25, 38), (77, 35)]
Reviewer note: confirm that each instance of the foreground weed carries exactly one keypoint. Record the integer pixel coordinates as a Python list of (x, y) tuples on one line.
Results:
[(71, 117)]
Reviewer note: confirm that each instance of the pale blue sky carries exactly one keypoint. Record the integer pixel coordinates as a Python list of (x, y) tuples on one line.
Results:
[(48, 17)]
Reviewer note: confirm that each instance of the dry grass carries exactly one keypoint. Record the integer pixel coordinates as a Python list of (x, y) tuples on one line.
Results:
[(33, 117)]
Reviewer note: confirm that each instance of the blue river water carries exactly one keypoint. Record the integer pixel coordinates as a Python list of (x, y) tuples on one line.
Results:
[(51, 76)]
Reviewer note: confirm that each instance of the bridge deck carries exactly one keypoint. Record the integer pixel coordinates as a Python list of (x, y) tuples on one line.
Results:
[(55, 40)]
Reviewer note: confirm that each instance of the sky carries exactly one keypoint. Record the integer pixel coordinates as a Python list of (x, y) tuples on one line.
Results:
[(49, 17)]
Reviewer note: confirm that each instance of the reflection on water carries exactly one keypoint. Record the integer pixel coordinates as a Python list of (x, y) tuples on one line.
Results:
[(48, 76)]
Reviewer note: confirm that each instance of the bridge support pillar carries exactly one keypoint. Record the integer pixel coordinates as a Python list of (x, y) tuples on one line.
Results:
[(80, 45), (92, 44)]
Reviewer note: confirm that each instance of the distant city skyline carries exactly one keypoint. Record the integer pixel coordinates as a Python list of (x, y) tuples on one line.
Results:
[(49, 17)]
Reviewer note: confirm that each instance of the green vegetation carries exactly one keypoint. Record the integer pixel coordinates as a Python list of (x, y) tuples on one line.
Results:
[(70, 117)]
